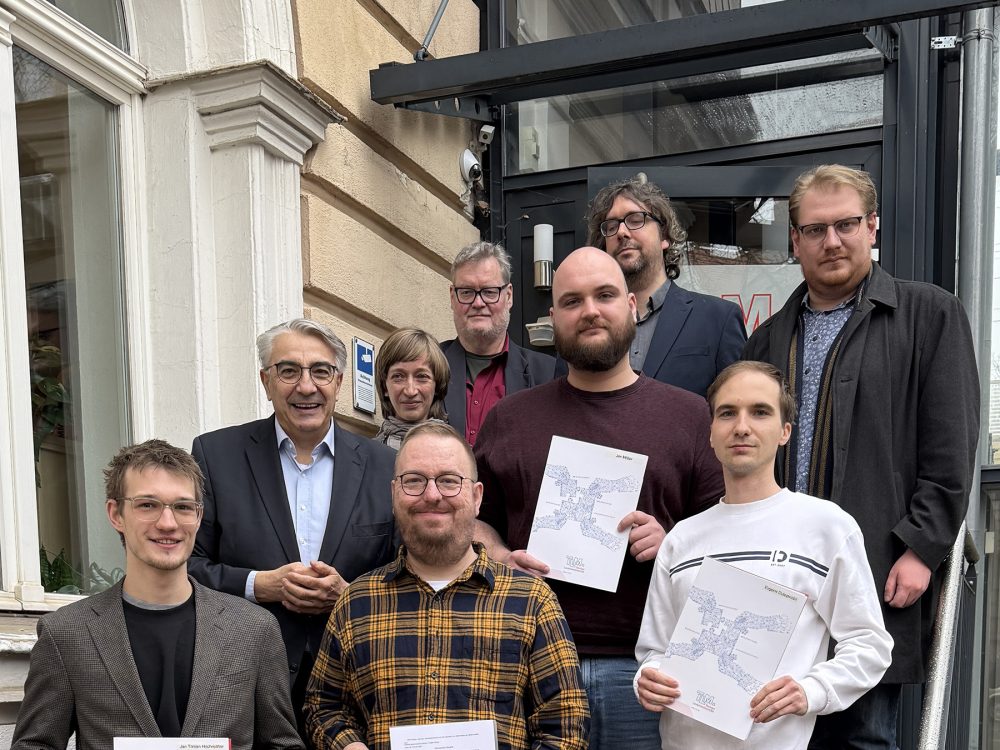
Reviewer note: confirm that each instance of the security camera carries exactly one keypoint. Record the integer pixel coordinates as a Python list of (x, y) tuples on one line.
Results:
[(486, 134), (471, 169)]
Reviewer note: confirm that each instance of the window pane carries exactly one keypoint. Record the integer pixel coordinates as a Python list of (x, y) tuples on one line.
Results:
[(104, 17), (539, 20), (67, 146), (669, 117), (739, 249)]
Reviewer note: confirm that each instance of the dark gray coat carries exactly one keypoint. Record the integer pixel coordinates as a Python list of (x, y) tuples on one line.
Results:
[(905, 427)]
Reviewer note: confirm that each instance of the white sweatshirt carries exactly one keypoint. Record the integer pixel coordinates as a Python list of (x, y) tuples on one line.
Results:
[(802, 542)]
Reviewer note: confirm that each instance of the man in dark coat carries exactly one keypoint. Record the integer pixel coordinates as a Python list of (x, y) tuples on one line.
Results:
[(886, 382), (485, 364)]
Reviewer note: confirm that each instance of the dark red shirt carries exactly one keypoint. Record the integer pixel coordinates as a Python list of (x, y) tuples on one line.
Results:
[(484, 393)]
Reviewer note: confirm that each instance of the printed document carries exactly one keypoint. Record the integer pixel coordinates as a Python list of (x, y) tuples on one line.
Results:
[(587, 489), (728, 643), (171, 743), (456, 735)]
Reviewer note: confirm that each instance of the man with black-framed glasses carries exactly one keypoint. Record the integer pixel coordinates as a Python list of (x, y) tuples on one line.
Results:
[(157, 654), (295, 506), (443, 633), (885, 379), (485, 364), (682, 338)]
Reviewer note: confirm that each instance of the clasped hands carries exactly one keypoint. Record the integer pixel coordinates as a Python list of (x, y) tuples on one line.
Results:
[(307, 589)]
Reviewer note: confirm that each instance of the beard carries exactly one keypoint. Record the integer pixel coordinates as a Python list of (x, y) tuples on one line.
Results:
[(639, 272), (597, 356), (438, 548), (496, 331)]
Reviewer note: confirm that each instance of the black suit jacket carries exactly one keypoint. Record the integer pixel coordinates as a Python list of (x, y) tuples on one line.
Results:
[(248, 526), (696, 337), (525, 368)]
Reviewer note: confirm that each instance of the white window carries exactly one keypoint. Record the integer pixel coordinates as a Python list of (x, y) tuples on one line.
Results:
[(69, 255)]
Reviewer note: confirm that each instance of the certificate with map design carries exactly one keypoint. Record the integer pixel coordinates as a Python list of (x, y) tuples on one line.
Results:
[(585, 492), (728, 642)]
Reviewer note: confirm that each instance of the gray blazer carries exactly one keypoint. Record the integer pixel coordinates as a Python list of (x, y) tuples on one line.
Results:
[(83, 678)]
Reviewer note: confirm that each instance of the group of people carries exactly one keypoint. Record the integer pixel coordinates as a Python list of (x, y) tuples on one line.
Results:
[(390, 577)]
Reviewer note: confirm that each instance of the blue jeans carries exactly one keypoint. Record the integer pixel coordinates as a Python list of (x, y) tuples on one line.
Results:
[(617, 721), (869, 724)]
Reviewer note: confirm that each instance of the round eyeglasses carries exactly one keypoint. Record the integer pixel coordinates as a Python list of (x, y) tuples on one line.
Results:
[(845, 228), (490, 295), (322, 373), (186, 512), (633, 221), (414, 483)]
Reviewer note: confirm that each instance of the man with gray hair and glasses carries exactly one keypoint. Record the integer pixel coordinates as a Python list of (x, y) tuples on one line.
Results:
[(485, 364), (295, 506)]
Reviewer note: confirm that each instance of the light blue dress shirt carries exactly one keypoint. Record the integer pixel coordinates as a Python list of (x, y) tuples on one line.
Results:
[(309, 489)]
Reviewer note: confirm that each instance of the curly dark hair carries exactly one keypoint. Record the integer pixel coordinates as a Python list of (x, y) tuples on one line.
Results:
[(652, 199)]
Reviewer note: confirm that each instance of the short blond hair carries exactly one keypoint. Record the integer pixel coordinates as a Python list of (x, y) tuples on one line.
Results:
[(831, 177)]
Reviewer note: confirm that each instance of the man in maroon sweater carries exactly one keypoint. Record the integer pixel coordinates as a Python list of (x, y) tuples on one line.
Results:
[(602, 400)]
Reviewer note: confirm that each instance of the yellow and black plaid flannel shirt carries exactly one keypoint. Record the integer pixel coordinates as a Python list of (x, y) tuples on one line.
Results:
[(493, 644)]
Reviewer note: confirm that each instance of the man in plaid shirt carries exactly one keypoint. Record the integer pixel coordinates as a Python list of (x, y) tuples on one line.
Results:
[(443, 633)]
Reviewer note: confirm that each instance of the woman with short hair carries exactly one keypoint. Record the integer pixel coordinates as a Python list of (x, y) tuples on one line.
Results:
[(411, 375)]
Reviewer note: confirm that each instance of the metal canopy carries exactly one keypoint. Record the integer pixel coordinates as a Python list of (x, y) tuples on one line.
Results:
[(707, 43)]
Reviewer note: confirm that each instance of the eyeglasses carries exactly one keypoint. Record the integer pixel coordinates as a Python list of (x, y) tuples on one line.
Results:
[(186, 512), (322, 373), (489, 294), (845, 228), (414, 483), (633, 221)]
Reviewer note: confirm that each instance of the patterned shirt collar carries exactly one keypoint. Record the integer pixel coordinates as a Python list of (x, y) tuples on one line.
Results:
[(480, 568)]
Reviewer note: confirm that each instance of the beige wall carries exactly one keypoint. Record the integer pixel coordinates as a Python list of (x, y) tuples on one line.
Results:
[(384, 208)]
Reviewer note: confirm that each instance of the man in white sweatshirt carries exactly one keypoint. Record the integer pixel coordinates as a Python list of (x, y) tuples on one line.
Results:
[(801, 542)]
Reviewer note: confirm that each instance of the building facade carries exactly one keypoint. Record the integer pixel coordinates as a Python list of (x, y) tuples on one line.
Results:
[(175, 177)]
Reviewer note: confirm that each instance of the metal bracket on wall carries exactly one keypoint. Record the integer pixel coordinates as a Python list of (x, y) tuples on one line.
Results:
[(944, 42), (885, 40), (471, 108)]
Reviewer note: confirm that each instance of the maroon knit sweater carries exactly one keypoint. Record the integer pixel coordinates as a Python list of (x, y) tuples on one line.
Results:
[(683, 477)]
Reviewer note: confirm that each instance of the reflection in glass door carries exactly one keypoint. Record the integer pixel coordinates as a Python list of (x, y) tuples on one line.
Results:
[(67, 158)]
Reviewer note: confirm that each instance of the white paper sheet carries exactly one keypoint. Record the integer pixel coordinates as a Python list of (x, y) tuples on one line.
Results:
[(728, 642), (456, 735), (171, 743), (586, 491)]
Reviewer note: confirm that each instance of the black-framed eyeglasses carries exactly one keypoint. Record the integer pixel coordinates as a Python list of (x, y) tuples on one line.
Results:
[(414, 483), (186, 512), (490, 295), (633, 221), (845, 228), (322, 373)]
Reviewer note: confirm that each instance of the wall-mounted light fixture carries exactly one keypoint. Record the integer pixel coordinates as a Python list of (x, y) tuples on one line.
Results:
[(543, 256)]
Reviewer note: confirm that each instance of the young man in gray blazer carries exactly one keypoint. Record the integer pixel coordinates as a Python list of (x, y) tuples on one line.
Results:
[(157, 654)]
